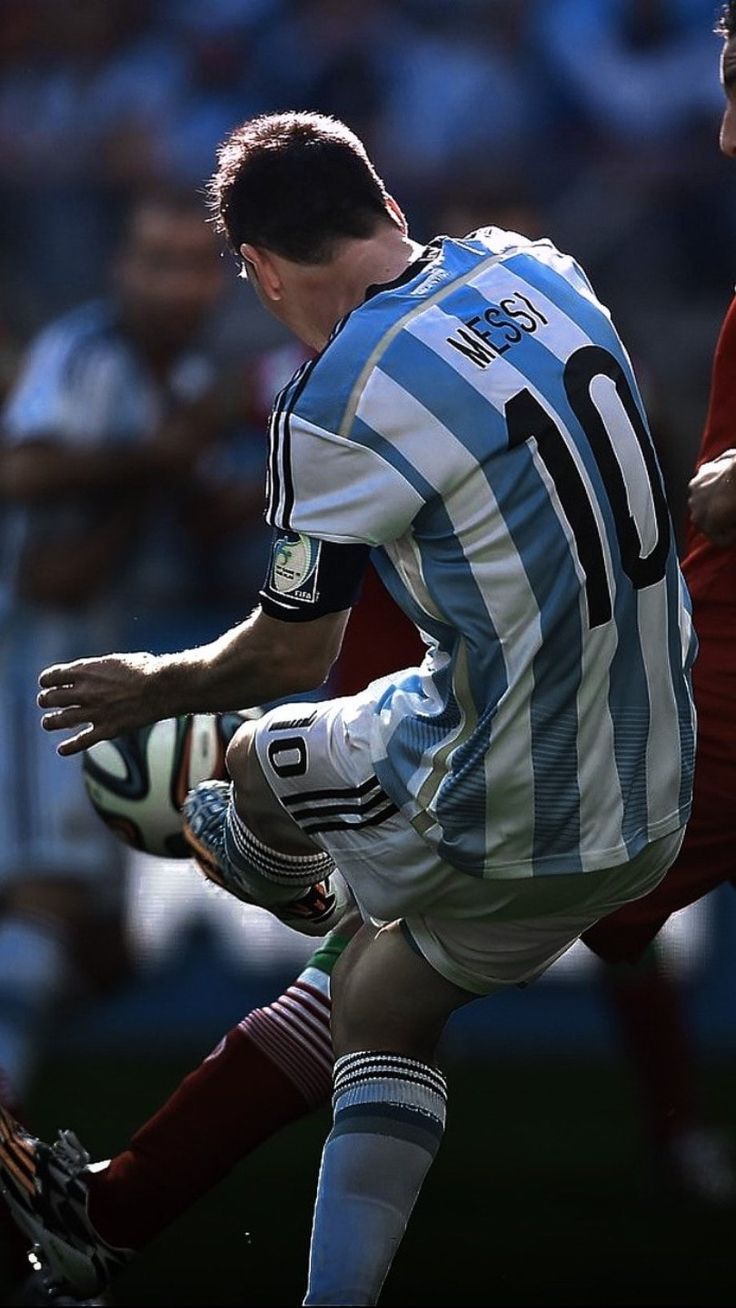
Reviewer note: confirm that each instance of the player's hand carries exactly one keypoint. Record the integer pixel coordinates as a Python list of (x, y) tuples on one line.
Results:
[(104, 697), (713, 499)]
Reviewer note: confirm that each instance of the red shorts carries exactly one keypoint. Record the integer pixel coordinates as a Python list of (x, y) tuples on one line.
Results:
[(708, 854)]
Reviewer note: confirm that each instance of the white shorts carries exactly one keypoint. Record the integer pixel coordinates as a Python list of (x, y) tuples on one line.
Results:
[(47, 824), (478, 933)]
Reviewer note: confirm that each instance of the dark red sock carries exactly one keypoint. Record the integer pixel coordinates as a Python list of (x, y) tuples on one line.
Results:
[(14, 1244), (648, 1006), (234, 1100)]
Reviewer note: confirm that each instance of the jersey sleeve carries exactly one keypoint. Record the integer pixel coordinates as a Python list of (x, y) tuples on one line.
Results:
[(335, 488), (309, 578), (38, 404)]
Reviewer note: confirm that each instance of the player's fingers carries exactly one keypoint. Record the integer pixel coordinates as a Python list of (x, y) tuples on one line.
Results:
[(65, 717), (82, 740), (59, 697), (58, 675)]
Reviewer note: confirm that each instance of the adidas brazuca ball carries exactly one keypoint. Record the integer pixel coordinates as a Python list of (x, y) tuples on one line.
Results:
[(138, 782)]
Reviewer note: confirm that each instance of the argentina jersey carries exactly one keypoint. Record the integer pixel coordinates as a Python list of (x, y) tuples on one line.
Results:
[(478, 424)]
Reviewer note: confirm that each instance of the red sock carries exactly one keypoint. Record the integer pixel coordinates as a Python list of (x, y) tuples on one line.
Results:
[(268, 1071), (648, 1006), (14, 1245)]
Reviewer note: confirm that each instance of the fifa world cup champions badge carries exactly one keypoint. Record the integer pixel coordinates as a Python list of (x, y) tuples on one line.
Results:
[(295, 566)]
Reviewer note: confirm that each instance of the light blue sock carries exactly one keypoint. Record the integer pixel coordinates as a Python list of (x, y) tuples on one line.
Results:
[(389, 1120)]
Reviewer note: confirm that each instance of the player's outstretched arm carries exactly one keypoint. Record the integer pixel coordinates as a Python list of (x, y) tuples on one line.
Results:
[(259, 660)]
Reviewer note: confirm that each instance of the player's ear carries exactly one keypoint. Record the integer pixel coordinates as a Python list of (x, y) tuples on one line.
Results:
[(265, 268), (397, 213)]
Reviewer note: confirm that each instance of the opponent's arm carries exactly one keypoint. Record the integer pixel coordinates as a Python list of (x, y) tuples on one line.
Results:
[(713, 499), (259, 660)]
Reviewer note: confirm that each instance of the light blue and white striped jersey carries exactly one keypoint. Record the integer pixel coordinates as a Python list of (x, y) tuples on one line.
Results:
[(479, 424)]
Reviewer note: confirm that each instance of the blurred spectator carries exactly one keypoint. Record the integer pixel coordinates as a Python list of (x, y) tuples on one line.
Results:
[(469, 202), (64, 80), (108, 459), (460, 96), (216, 15), (639, 70), (198, 75), (337, 56), (582, 100), (634, 172)]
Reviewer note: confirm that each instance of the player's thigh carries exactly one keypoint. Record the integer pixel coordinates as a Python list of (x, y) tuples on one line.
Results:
[(386, 996), (321, 770), (255, 800)]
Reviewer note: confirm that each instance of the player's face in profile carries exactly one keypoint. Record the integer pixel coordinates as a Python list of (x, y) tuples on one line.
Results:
[(728, 81), (169, 270)]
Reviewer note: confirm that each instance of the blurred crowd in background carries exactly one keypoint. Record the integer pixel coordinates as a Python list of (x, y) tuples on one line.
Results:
[(126, 337), (136, 376), (590, 120)]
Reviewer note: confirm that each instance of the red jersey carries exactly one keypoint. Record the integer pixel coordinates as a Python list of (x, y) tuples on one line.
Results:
[(710, 570)]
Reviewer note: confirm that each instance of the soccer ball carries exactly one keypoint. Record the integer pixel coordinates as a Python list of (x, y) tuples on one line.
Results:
[(138, 782)]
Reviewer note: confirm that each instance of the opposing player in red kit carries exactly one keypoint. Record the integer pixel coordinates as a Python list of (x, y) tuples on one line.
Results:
[(644, 998), (708, 855)]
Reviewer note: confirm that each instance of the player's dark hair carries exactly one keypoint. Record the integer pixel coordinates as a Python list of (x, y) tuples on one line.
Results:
[(295, 184), (727, 20)]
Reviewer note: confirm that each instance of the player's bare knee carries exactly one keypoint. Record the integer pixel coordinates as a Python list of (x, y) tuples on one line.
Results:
[(255, 801), (239, 754), (361, 1017), (253, 798), (387, 996)]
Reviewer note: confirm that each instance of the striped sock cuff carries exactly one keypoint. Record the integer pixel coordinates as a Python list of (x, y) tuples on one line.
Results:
[(363, 1069), (294, 1032), (248, 854), (387, 1094)]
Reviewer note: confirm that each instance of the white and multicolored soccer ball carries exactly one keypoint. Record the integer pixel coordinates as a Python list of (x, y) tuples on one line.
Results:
[(138, 782)]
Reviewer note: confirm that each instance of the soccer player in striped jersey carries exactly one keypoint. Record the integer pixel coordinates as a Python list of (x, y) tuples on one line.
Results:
[(473, 419)]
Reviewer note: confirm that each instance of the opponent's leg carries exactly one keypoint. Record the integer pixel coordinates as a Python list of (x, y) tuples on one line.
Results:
[(691, 1155), (390, 1008), (270, 1070)]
